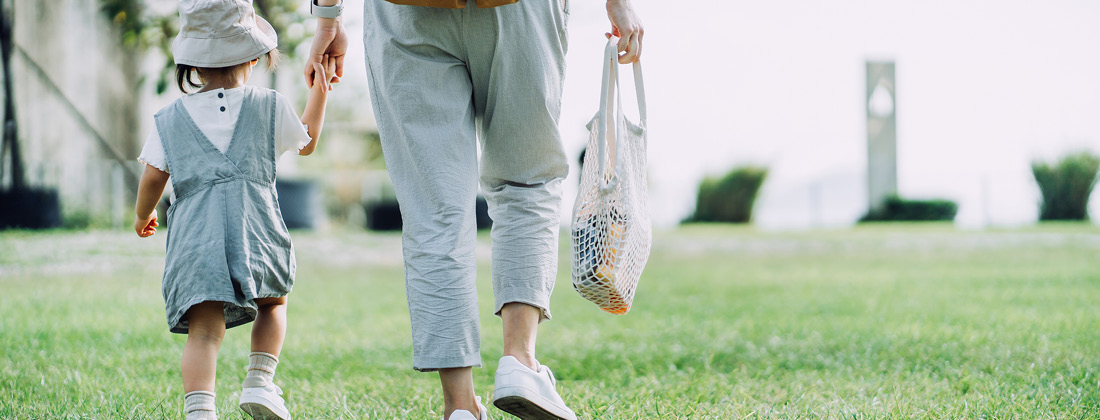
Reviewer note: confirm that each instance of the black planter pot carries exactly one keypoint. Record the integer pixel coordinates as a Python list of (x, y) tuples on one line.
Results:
[(386, 215), (300, 202), (383, 215), (481, 208), (30, 208)]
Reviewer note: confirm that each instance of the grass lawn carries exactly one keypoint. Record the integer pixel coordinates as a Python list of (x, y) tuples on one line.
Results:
[(888, 321)]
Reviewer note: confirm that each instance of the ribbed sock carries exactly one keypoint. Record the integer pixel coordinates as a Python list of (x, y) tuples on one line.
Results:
[(199, 405), (261, 369)]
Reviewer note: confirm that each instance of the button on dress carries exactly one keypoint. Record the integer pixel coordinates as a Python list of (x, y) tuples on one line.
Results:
[(226, 237)]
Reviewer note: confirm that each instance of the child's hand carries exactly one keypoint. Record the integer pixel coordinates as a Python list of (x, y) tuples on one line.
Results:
[(323, 72), (146, 227)]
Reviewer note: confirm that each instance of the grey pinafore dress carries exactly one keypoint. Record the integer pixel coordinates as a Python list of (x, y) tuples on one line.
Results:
[(226, 237)]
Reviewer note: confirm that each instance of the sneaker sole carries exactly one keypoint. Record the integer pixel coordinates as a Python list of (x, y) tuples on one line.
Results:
[(519, 405), (259, 411)]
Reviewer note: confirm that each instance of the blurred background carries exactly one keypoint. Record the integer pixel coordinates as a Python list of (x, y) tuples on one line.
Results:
[(791, 122), (802, 114)]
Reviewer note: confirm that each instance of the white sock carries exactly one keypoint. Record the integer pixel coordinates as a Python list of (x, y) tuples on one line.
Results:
[(261, 369), (199, 405)]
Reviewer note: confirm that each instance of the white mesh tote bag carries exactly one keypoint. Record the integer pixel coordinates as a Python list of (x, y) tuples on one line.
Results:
[(611, 232)]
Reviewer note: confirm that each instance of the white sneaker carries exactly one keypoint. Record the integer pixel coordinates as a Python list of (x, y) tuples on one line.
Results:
[(528, 394), (264, 403), (467, 415)]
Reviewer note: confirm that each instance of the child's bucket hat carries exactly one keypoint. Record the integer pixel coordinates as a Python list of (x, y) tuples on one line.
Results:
[(221, 33)]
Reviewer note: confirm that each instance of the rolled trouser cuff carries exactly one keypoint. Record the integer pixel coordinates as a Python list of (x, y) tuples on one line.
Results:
[(432, 364), (524, 296), (525, 243)]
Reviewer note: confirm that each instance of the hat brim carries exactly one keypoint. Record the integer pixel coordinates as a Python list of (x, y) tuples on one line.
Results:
[(242, 47), (268, 31)]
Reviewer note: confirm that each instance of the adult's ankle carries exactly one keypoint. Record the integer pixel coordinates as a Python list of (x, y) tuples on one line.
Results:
[(471, 407), (525, 359)]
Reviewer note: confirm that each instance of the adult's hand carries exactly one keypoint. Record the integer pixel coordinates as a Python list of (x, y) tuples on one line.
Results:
[(625, 25), (331, 40)]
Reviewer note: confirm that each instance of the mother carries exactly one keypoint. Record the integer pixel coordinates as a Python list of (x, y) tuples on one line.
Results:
[(446, 76)]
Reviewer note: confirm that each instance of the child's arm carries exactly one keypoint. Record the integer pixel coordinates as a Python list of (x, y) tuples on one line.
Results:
[(314, 115), (150, 188)]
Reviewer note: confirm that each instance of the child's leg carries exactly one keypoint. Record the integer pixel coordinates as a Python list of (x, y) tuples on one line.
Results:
[(206, 328), (269, 329), (268, 332), (260, 397)]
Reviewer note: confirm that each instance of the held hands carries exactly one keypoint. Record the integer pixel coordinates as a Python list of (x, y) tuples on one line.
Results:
[(625, 25), (146, 227), (329, 41), (324, 71)]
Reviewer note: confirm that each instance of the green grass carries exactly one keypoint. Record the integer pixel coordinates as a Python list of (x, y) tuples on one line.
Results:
[(880, 321)]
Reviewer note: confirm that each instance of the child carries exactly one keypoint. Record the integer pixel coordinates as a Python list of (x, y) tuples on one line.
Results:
[(229, 260)]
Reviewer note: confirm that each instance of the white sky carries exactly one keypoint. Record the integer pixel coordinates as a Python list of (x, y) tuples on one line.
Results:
[(984, 87)]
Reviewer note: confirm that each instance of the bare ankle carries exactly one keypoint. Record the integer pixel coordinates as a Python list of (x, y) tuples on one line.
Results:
[(470, 406), (527, 359)]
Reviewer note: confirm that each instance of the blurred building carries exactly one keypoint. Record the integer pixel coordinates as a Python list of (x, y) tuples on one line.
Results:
[(76, 96)]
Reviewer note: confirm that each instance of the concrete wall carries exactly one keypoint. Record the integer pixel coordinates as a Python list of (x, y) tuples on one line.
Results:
[(71, 43)]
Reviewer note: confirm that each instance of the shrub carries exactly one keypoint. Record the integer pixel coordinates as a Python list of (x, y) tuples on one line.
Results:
[(729, 198), (1066, 186), (897, 209)]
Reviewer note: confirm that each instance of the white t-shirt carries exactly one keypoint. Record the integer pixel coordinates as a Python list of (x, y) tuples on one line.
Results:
[(215, 112)]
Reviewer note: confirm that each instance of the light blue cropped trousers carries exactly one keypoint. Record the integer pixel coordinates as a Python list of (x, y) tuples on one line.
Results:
[(443, 82)]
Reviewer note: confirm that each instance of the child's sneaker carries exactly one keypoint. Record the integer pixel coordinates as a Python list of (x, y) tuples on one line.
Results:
[(466, 415), (528, 394), (264, 402)]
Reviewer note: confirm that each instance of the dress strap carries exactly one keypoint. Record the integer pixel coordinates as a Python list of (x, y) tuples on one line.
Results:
[(253, 144)]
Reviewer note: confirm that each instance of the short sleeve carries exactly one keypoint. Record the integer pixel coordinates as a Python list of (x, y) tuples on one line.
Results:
[(290, 133), (152, 153)]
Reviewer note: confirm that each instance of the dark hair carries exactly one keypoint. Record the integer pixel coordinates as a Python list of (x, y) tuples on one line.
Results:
[(189, 77), (185, 75)]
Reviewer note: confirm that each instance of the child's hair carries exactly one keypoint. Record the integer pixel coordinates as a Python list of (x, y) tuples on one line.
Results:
[(186, 74)]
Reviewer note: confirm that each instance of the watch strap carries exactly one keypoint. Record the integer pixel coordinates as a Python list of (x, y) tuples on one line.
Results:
[(330, 12)]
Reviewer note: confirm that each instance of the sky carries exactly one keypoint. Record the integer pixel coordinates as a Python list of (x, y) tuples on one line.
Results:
[(984, 87)]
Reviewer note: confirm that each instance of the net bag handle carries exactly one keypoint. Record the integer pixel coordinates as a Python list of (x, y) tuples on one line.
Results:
[(610, 96)]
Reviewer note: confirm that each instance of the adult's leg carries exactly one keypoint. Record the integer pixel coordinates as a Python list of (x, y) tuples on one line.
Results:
[(458, 391), (205, 330), (421, 90), (517, 56), (521, 322), (517, 63)]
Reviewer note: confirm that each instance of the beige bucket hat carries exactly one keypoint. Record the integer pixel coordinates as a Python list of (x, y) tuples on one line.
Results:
[(221, 33)]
